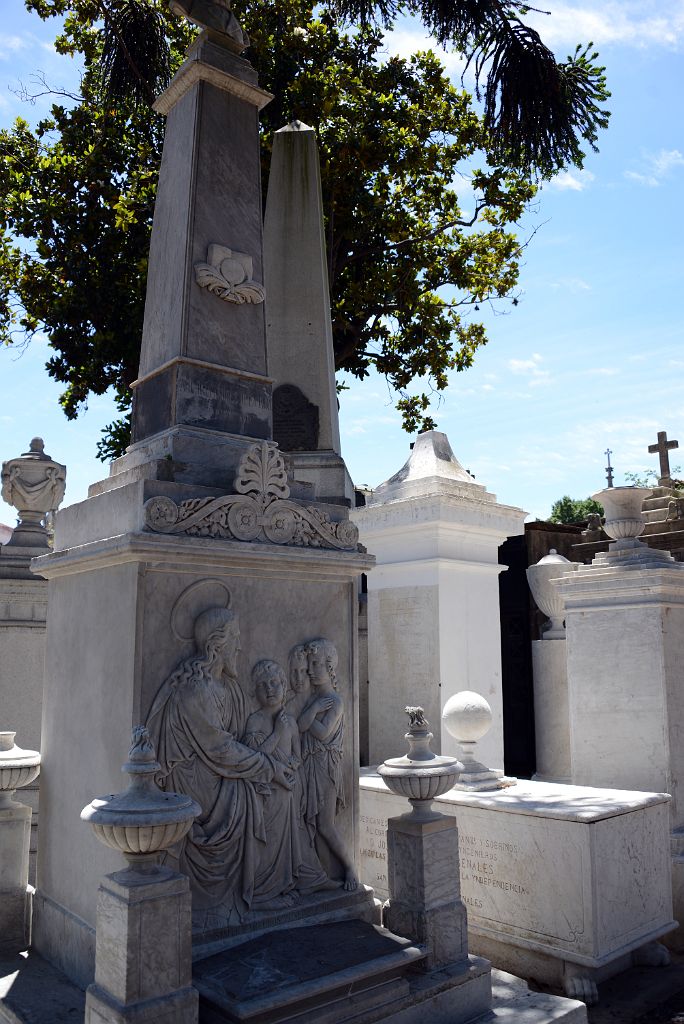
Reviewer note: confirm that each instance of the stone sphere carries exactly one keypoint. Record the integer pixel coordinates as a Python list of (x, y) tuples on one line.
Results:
[(467, 716)]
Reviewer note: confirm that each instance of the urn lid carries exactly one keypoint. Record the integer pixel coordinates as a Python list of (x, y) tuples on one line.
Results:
[(553, 558), (420, 758), (37, 451), (143, 803), (12, 756)]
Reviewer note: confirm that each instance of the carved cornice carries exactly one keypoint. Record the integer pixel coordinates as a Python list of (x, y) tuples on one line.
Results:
[(261, 510), (195, 71)]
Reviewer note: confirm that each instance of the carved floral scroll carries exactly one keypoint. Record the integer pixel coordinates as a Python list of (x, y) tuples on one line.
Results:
[(261, 510)]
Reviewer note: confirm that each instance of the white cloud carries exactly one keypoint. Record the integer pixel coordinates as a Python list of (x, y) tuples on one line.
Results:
[(656, 167), (10, 45), (404, 42), (525, 365), (574, 181), (571, 284), (531, 369), (602, 371), (635, 23)]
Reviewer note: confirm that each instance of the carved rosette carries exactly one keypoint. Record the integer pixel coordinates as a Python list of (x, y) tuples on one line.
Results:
[(261, 510), (228, 274)]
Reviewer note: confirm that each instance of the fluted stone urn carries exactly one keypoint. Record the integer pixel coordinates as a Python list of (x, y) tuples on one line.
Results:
[(34, 484), (624, 522), (18, 768), (143, 821), (421, 775), (547, 598)]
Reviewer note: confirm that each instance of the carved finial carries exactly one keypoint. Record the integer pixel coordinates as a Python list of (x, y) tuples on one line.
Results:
[(417, 719), (142, 747)]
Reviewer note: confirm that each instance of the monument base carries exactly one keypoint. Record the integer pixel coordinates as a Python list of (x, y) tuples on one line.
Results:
[(347, 970)]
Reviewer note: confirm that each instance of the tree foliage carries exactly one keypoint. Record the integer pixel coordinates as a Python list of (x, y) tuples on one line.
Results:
[(649, 478), (406, 263), (573, 510), (539, 113), (408, 266)]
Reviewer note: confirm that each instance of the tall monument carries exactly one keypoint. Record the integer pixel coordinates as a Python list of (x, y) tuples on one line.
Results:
[(206, 592), (197, 561)]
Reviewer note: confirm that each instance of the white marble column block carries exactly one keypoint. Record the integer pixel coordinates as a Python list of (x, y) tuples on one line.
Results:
[(433, 598), (425, 891), (15, 898), (551, 712), (18, 768), (143, 953)]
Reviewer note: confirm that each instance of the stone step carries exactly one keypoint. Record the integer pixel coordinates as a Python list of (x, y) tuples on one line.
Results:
[(325, 974)]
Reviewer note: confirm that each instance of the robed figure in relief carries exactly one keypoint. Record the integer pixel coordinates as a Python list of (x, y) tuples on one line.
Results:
[(194, 721)]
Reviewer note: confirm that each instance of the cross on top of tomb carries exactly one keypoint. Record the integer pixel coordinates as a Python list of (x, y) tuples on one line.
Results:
[(609, 468), (663, 447)]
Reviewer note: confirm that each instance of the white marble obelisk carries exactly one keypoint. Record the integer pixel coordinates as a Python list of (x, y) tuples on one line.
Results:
[(298, 325)]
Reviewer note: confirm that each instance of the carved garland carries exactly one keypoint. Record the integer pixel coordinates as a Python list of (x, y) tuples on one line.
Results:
[(260, 511)]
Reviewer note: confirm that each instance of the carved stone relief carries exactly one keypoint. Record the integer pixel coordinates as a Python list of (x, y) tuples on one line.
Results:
[(228, 274), (267, 770), (260, 511)]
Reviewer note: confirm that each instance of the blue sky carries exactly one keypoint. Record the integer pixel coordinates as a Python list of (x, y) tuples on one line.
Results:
[(592, 358)]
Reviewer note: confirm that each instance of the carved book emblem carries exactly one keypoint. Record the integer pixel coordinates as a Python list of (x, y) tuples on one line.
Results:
[(228, 274), (261, 510)]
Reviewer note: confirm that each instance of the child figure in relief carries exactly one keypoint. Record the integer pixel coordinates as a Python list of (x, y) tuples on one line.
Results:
[(272, 731), (321, 724)]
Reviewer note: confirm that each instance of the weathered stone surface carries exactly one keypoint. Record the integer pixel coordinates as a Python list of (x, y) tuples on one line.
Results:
[(298, 325), (433, 598), (295, 420), (550, 874), (424, 886), (551, 711)]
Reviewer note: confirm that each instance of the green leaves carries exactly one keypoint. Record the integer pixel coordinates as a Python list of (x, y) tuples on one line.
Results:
[(573, 510), (409, 257)]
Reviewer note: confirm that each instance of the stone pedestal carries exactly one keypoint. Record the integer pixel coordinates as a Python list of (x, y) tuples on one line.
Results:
[(143, 953), (433, 599), (551, 711), (425, 901), (15, 897)]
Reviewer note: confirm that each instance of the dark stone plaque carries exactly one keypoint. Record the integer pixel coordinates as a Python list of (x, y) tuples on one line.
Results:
[(198, 396), (295, 420)]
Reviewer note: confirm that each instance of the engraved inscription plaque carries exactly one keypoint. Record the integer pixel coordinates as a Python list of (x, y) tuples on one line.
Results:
[(295, 420)]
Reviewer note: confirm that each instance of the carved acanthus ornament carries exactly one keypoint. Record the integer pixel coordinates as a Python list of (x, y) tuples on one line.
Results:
[(228, 274), (261, 510)]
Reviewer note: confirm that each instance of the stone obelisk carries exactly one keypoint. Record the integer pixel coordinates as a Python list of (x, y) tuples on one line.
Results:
[(197, 523), (298, 324)]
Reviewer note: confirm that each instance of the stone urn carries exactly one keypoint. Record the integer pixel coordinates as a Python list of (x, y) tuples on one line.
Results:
[(34, 484), (545, 594), (420, 775), (624, 522), (143, 821), (17, 768)]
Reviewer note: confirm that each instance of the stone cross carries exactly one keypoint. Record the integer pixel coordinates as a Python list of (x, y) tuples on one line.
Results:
[(662, 448), (609, 468)]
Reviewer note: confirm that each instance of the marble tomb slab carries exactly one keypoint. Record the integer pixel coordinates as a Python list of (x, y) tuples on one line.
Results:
[(568, 873)]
